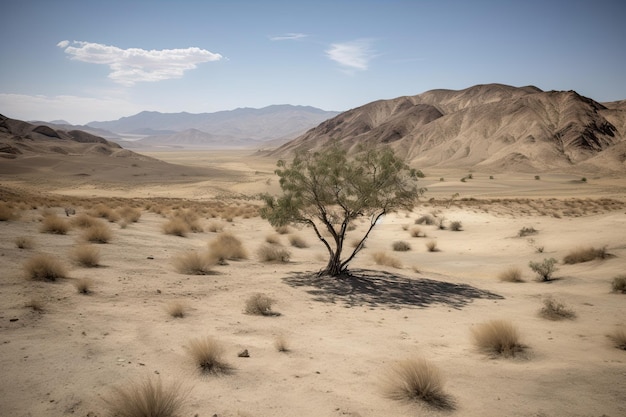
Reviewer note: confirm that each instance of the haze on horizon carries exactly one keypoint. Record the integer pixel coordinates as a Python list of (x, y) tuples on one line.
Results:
[(84, 62)]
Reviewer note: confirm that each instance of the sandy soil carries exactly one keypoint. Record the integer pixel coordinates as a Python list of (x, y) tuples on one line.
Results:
[(343, 337)]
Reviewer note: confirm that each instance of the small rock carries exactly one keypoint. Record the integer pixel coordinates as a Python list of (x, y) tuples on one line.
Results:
[(13, 320), (150, 257)]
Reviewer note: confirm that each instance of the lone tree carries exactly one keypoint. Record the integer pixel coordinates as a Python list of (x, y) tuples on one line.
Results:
[(327, 190)]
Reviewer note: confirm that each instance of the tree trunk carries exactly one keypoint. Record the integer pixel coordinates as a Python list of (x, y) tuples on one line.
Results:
[(333, 268)]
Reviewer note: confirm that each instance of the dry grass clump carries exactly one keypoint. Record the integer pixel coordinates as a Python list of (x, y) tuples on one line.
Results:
[(190, 218), (281, 344), (83, 285), (215, 227), (619, 284), (298, 241), (194, 263), (176, 227), (426, 220), (86, 255), (44, 267), (401, 246), (227, 246), (417, 379), (105, 212), (177, 309), (618, 337), (7, 212), (383, 258), (431, 246), (84, 221), (283, 230), (36, 304), (54, 224), (24, 242), (498, 337), (208, 354), (129, 214), (260, 305), (149, 398), (417, 232), (555, 310), (585, 254), (456, 226), (527, 231), (511, 274), (269, 253), (98, 233), (273, 239)]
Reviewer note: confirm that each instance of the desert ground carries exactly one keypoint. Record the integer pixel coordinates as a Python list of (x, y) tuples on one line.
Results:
[(63, 352)]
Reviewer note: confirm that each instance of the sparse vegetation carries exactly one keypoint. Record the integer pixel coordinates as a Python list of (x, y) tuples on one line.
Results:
[(260, 305), (585, 254), (84, 221), (227, 246), (176, 227), (511, 274), (270, 253), (456, 226), (44, 267), (417, 379), (383, 258), (400, 246), (298, 241), (55, 225), (618, 337), (105, 212), (208, 354), (129, 214), (498, 337), (98, 233), (83, 285), (193, 263), (24, 242), (527, 231), (273, 239), (417, 232), (427, 220), (619, 284), (544, 269), (149, 398), (281, 344), (177, 309), (86, 255), (431, 246), (36, 304), (215, 227), (7, 212), (555, 310)]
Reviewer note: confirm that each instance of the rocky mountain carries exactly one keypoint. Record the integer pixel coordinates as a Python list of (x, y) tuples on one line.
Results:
[(245, 124), (493, 126), (193, 138)]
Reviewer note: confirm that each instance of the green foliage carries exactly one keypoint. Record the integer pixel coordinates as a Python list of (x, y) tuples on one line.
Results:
[(327, 190), (544, 269)]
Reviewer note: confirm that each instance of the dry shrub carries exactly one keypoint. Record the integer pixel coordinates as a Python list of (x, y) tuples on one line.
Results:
[(426, 220), (105, 212), (269, 253), (84, 221), (36, 304), (193, 263), (544, 269), (527, 231), (6, 212), (24, 242), (215, 227), (176, 227), (417, 379), (498, 337), (208, 354), (585, 254), (260, 305), (511, 274), (190, 218), (44, 267), (619, 284), (227, 246), (283, 230), (298, 241), (400, 246), (281, 344), (129, 214), (417, 232), (177, 309), (98, 233), (83, 285), (149, 398), (86, 255), (618, 337), (456, 226), (273, 239), (383, 258), (431, 245), (555, 310), (55, 225)]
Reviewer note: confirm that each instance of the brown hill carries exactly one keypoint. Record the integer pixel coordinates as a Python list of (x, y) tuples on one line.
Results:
[(494, 127)]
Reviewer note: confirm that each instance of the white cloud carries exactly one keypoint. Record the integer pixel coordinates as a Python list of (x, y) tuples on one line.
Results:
[(76, 110), (288, 37), (132, 65), (354, 55)]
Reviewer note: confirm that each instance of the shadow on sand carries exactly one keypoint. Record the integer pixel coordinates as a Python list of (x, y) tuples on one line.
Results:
[(380, 288)]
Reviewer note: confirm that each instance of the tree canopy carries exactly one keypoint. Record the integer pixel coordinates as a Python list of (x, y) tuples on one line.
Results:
[(327, 190)]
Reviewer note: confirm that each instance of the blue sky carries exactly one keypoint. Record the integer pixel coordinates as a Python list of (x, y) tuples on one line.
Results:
[(93, 60)]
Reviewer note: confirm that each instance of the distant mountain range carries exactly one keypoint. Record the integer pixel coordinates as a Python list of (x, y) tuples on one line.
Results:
[(233, 128), (493, 126)]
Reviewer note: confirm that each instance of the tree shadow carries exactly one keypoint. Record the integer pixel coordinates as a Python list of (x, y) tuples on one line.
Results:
[(381, 288)]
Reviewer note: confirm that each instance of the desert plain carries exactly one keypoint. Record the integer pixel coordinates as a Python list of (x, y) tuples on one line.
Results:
[(63, 352)]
